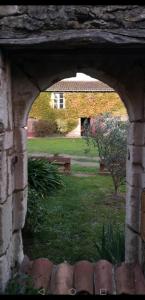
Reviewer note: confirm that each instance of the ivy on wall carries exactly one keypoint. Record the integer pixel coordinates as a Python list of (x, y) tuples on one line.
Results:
[(92, 104), (77, 105)]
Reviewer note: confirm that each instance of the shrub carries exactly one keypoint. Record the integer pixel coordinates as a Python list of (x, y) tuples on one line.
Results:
[(112, 244), (36, 217), (43, 176), (66, 125), (109, 136), (71, 124), (21, 284), (44, 128)]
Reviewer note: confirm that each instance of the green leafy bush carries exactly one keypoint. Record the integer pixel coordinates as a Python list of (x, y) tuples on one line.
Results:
[(36, 217), (21, 284), (66, 125), (108, 134), (43, 128), (43, 176), (112, 244)]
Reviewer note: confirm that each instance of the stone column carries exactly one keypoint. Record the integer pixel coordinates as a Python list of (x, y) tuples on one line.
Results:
[(135, 184), (6, 173), (23, 95)]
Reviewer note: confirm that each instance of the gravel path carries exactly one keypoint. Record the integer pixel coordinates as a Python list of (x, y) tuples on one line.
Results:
[(90, 162)]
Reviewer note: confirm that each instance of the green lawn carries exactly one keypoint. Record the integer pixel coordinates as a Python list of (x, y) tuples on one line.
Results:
[(75, 217), (75, 168), (72, 146)]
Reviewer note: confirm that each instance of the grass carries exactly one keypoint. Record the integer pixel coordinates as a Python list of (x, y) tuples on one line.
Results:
[(82, 169), (75, 218), (72, 146)]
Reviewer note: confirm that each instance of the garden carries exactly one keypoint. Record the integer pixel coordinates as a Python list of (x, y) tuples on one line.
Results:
[(74, 217)]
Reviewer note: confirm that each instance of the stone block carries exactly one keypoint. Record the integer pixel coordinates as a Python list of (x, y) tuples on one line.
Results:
[(136, 133), (20, 136), (143, 180), (6, 10), (143, 156), (3, 176), (5, 225), (10, 176), (3, 99), (17, 249), (19, 209), (8, 140), (5, 271), (21, 177), (135, 153), (132, 244), (133, 202)]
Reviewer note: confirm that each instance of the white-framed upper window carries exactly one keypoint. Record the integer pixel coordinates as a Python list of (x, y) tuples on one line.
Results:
[(59, 102)]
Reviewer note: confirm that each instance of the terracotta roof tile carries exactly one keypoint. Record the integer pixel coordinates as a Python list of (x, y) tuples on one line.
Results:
[(103, 277), (79, 86), (62, 279), (139, 280), (124, 276), (41, 273), (85, 277)]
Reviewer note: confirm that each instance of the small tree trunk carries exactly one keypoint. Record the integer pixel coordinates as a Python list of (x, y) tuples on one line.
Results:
[(116, 186)]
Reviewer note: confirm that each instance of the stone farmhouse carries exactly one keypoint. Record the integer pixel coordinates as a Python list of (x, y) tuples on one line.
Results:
[(80, 100)]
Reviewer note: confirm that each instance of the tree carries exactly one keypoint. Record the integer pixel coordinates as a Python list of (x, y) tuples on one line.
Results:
[(109, 135)]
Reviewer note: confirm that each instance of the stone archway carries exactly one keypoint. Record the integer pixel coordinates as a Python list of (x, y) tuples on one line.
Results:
[(28, 65)]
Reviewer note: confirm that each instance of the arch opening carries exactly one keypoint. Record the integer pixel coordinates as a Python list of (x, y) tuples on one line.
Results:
[(48, 90)]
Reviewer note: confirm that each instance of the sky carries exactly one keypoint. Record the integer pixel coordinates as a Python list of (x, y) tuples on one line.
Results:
[(80, 77)]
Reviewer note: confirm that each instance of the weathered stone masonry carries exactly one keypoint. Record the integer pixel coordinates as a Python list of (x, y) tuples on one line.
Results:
[(40, 45)]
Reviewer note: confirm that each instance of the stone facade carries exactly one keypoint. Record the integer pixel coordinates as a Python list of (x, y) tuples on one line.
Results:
[(41, 45)]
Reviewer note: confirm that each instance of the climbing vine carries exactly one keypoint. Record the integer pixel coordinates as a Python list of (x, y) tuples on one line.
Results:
[(77, 105)]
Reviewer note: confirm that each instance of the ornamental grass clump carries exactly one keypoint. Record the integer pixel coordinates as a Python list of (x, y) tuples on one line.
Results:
[(43, 176), (43, 179), (112, 244)]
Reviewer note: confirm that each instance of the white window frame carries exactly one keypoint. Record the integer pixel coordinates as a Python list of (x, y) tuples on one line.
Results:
[(58, 96)]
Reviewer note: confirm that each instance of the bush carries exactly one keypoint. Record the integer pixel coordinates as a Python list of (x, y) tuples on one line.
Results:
[(21, 284), (43, 176), (66, 125), (36, 217), (112, 244), (109, 136), (44, 128)]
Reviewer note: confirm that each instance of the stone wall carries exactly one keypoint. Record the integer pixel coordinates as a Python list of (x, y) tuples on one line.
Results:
[(31, 38), (6, 173)]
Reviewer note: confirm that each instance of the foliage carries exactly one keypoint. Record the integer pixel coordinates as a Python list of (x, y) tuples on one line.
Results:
[(77, 105), (92, 104), (43, 128), (75, 215), (43, 176), (51, 145), (112, 244), (66, 125), (36, 217), (41, 108), (109, 136), (21, 284)]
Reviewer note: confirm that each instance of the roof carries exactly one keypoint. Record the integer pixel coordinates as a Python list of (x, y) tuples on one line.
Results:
[(84, 277), (80, 86)]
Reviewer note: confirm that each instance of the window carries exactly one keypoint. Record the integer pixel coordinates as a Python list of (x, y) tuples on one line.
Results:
[(59, 101)]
